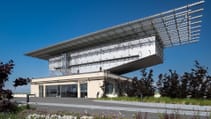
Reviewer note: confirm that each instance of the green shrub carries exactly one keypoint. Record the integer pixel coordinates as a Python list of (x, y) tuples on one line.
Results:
[(7, 106)]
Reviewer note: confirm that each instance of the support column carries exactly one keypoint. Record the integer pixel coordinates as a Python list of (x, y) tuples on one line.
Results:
[(79, 90), (44, 90), (88, 86)]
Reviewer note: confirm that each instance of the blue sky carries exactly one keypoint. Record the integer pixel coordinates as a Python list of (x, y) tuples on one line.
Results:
[(27, 25)]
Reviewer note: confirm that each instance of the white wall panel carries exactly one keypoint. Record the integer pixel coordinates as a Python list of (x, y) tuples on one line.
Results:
[(109, 55)]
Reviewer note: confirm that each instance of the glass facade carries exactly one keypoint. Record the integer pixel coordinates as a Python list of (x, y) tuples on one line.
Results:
[(69, 90), (83, 88), (109, 88), (61, 90), (52, 91)]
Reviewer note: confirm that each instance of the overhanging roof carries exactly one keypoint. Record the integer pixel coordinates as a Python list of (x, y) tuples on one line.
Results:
[(174, 27)]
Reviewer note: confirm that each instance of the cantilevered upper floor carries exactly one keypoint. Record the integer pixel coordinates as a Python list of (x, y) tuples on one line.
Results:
[(125, 47)]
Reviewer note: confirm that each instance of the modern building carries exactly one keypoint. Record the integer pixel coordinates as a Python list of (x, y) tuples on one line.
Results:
[(80, 66)]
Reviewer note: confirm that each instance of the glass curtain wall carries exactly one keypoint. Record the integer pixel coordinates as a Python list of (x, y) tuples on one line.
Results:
[(109, 88), (83, 89), (69, 90), (61, 90), (53, 91)]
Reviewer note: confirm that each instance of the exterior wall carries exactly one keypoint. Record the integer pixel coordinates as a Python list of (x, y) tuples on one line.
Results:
[(104, 56), (65, 83), (159, 50), (70, 78), (94, 87), (62, 80), (94, 82), (35, 89)]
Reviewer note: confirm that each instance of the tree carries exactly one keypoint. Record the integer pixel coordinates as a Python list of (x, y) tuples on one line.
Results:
[(199, 82), (133, 88), (184, 88), (196, 84), (21, 81), (103, 87), (169, 84), (5, 71), (146, 81), (208, 91), (122, 86), (141, 87)]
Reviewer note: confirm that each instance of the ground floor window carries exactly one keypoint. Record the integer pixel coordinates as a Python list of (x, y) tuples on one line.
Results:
[(52, 91), (61, 90), (109, 88), (83, 89), (69, 90)]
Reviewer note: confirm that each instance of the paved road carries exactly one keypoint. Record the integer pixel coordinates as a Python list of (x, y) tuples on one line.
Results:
[(126, 109)]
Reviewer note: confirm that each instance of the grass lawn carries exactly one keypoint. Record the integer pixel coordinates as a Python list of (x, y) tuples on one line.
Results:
[(187, 101)]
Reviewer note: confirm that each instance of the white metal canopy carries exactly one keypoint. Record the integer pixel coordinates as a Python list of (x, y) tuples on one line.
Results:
[(174, 27)]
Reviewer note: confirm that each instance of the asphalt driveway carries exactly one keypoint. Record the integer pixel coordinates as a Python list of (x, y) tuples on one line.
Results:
[(122, 108)]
